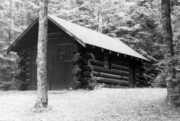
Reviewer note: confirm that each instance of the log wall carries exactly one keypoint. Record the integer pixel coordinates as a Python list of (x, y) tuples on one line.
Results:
[(140, 79), (93, 70), (77, 64), (24, 68)]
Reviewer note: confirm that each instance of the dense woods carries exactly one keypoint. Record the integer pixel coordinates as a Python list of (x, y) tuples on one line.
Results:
[(137, 23)]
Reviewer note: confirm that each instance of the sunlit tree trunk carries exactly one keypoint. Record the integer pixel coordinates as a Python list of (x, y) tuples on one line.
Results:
[(42, 96), (99, 22), (100, 19)]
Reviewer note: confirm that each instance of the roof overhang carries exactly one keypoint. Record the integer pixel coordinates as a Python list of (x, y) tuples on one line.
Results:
[(83, 36), (65, 30)]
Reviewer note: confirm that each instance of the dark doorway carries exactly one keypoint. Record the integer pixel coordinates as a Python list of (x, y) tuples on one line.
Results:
[(60, 64)]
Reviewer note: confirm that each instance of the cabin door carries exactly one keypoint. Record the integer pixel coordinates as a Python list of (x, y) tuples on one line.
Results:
[(60, 64)]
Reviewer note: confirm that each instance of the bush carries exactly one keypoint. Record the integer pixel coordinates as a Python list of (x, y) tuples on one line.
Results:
[(12, 85), (6, 85), (160, 80)]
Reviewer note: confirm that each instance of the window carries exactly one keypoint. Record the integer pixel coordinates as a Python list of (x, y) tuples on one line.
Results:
[(61, 53), (106, 59)]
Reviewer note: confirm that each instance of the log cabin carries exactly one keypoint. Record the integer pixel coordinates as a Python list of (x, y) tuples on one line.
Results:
[(76, 54)]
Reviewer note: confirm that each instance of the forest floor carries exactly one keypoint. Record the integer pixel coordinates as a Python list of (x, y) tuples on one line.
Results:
[(81, 105)]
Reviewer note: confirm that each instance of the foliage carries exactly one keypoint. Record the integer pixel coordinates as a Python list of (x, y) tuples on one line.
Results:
[(15, 16), (12, 85), (136, 23), (8, 31)]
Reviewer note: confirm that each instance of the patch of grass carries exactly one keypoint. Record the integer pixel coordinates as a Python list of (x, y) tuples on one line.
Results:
[(40, 110), (82, 105)]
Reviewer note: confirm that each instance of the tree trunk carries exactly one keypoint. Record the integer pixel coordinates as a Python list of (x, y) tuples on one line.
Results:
[(166, 24), (173, 96), (42, 97)]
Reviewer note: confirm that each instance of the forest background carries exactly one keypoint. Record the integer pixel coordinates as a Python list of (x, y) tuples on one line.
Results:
[(136, 23)]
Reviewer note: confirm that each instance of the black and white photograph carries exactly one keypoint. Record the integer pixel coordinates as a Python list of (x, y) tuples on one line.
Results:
[(89, 60)]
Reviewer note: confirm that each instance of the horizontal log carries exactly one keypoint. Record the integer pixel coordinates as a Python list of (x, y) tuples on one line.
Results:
[(52, 29), (28, 58), (88, 68), (106, 70), (19, 77), (29, 53), (88, 74), (77, 58), (86, 62), (21, 67), (28, 75), (137, 73), (27, 80), (77, 78), (20, 60), (89, 56), (28, 63), (96, 63), (19, 73), (107, 75), (111, 71), (112, 81), (85, 81), (27, 69), (100, 63), (93, 62), (122, 63), (56, 34), (119, 67), (76, 71), (22, 52), (57, 38), (100, 58)]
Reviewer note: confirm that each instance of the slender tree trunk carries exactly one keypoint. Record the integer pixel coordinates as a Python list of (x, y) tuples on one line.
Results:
[(42, 97), (100, 22)]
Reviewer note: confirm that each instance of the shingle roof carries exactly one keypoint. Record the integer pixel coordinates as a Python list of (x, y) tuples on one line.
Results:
[(87, 36), (91, 37)]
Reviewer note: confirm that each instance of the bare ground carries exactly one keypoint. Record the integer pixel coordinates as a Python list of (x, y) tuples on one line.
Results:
[(81, 105)]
